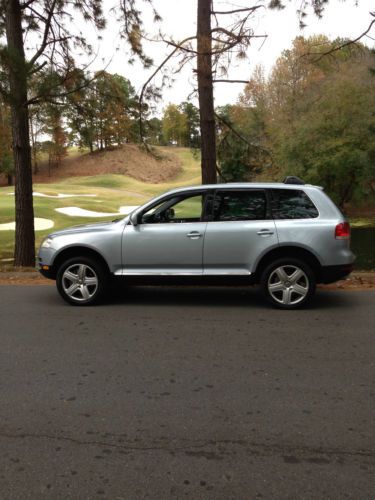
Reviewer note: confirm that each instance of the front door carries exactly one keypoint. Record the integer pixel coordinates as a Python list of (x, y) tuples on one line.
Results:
[(168, 240)]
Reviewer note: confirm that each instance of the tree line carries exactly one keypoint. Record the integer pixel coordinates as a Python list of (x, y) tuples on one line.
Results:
[(313, 116), (103, 113)]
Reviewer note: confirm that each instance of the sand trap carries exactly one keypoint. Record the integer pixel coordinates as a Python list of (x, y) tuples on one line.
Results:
[(81, 212), (127, 209), (39, 224), (58, 195)]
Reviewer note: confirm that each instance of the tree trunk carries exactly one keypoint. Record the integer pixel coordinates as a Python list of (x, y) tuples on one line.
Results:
[(33, 148), (205, 92), (24, 253)]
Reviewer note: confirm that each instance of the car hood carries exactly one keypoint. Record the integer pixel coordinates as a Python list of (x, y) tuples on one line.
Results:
[(90, 228)]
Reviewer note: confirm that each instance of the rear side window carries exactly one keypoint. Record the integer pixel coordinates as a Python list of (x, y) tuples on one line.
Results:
[(292, 204), (239, 205)]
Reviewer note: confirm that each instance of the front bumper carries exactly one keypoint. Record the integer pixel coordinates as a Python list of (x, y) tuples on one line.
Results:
[(47, 273), (44, 263)]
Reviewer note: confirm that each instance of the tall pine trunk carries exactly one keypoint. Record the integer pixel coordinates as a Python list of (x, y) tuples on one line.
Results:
[(24, 253), (205, 92), (34, 156)]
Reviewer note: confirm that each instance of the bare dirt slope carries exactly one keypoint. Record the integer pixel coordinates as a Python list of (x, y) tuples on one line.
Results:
[(128, 159)]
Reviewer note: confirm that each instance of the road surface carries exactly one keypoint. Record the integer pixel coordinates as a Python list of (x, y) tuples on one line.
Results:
[(186, 393)]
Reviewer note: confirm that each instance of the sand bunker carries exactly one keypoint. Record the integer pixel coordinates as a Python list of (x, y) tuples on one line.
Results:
[(81, 212), (58, 195), (62, 195), (125, 210), (39, 224)]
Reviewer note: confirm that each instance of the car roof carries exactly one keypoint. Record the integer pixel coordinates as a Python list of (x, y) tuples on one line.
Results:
[(243, 185)]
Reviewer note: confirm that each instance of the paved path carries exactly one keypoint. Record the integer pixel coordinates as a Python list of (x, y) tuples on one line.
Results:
[(186, 393)]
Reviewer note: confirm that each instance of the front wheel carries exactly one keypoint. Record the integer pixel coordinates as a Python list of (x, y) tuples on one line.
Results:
[(81, 281), (288, 283)]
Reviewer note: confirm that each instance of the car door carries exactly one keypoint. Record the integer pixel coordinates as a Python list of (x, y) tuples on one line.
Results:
[(241, 231), (169, 238)]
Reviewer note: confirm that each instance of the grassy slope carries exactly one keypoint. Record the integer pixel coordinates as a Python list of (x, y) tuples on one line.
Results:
[(112, 192)]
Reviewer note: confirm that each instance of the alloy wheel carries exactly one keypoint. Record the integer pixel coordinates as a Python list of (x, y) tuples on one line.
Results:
[(288, 285), (79, 282)]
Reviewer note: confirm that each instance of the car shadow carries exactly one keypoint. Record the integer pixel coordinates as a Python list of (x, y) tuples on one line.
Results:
[(213, 296)]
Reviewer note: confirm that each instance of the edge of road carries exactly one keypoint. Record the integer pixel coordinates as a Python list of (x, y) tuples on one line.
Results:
[(358, 280)]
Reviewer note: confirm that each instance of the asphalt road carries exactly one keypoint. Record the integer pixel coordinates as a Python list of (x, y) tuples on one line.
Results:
[(186, 393)]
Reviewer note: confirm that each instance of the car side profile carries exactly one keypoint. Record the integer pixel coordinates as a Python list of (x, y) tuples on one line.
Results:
[(286, 237)]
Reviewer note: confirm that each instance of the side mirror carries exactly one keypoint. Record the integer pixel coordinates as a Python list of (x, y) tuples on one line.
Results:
[(134, 219)]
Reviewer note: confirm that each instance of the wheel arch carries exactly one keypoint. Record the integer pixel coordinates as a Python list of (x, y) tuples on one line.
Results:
[(75, 251), (285, 252)]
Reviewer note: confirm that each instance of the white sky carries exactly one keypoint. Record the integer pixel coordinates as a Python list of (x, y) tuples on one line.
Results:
[(341, 18)]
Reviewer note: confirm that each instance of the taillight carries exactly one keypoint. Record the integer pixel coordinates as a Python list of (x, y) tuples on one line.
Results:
[(342, 231)]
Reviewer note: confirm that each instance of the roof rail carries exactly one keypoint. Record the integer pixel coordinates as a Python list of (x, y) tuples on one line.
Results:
[(292, 179)]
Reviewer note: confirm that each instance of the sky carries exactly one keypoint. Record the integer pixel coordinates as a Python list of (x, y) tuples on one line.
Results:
[(344, 18), (341, 18)]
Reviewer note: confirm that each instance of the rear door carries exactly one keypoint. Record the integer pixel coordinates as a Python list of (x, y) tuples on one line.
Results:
[(240, 232)]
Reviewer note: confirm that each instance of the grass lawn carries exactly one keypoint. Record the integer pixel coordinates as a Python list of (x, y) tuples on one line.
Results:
[(362, 222), (112, 191)]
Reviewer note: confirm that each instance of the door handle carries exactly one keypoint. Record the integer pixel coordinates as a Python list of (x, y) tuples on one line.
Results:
[(265, 232), (194, 235)]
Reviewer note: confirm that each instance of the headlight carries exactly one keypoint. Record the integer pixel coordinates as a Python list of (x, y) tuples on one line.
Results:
[(47, 243)]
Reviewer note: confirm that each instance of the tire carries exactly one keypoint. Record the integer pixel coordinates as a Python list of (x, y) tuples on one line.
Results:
[(82, 281), (288, 283)]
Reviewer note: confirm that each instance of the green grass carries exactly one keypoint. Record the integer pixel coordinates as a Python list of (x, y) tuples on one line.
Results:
[(112, 192), (362, 221)]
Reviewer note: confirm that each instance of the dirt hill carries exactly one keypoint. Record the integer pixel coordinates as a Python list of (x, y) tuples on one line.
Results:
[(128, 159)]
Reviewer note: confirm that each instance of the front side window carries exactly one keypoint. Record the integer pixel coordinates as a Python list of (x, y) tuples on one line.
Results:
[(176, 209), (239, 205), (292, 204)]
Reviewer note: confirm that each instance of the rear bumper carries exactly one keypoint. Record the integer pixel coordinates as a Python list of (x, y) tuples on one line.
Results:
[(330, 274)]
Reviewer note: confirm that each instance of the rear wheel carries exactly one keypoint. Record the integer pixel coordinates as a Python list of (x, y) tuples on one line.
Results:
[(288, 283), (81, 281)]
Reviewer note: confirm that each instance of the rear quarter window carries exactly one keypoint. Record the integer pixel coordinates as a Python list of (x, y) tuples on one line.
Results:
[(292, 204)]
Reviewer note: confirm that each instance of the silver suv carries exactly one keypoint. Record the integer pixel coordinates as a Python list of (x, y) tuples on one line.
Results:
[(284, 236)]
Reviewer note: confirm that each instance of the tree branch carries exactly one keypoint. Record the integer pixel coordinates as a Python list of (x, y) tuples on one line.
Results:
[(50, 96), (26, 4), (235, 11), (161, 65), (45, 36), (231, 81), (346, 44), (241, 137)]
